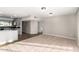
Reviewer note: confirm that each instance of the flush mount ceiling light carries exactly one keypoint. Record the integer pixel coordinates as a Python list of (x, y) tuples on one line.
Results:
[(50, 13), (43, 8)]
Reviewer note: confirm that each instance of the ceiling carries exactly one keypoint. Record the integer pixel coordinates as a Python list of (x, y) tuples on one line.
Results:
[(36, 11)]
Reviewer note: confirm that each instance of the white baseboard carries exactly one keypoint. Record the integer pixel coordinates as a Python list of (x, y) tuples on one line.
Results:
[(61, 36)]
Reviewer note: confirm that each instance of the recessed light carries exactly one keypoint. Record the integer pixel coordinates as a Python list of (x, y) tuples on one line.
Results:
[(43, 8), (50, 13)]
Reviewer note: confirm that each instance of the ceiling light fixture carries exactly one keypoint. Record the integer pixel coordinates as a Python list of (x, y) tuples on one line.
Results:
[(43, 8), (50, 13)]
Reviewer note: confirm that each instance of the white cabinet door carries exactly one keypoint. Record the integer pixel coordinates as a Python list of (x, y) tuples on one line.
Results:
[(8, 36)]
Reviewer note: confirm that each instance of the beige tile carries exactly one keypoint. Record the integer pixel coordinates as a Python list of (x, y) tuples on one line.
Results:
[(43, 43)]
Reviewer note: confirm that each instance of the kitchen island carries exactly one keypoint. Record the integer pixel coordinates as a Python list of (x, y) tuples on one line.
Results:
[(8, 34)]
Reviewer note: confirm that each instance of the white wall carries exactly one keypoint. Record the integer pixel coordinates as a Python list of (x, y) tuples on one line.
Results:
[(40, 27), (30, 27), (63, 26), (33, 27), (78, 27)]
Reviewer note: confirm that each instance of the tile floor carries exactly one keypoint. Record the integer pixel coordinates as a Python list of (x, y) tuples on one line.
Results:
[(43, 43)]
